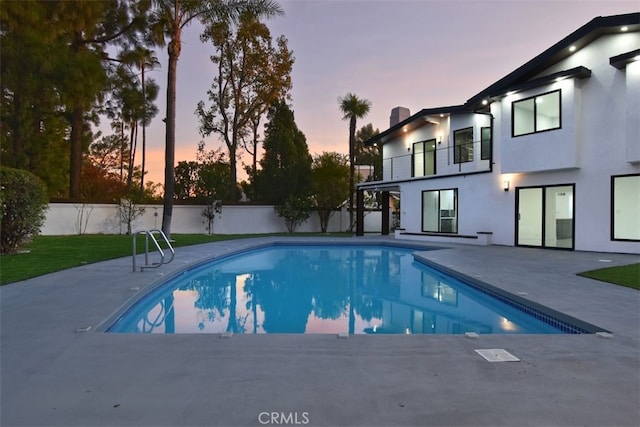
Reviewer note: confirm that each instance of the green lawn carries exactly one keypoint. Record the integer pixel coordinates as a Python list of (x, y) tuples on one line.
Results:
[(47, 254), (626, 275)]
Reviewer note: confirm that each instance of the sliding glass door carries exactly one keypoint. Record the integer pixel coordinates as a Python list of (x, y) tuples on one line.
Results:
[(545, 216), (529, 216)]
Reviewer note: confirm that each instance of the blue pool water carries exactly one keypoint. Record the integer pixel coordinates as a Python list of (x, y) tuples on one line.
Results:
[(324, 289)]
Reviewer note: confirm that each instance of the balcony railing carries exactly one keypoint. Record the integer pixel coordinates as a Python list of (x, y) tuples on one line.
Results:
[(444, 160)]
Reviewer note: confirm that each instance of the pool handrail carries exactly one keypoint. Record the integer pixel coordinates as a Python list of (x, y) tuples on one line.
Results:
[(150, 233)]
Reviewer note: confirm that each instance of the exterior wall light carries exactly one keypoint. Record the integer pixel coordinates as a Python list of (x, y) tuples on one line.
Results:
[(505, 185)]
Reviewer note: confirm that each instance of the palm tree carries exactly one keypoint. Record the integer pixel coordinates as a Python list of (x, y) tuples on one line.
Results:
[(352, 108), (147, 59), (170, 18)]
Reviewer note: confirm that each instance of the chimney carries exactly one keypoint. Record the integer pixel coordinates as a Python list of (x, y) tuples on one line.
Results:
[(398, 114)]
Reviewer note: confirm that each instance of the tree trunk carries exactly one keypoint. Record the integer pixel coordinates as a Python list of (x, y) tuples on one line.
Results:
[(324, 214), (352, 137), (144, 130), (233, 186), (122, 151), (75, 166), (170, 139), (133, 138), (254, 163)]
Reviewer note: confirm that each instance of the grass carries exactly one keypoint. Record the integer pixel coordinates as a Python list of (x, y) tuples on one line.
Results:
[(48, 254), (626, 275)]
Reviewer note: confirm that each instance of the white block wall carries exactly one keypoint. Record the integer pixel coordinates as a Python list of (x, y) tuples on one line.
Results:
[(69, 218)]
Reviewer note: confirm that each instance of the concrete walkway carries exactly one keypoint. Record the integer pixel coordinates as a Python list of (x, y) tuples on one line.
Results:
[(52, 375)]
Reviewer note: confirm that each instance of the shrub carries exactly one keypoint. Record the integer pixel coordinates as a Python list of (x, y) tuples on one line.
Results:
[(23, 202), (129, 210), (295, 211), (209, 213)]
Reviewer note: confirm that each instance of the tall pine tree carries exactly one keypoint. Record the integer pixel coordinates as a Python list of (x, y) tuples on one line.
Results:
[(286, 162)]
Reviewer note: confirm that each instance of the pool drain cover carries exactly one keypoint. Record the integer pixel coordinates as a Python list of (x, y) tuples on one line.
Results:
[(497, 355)]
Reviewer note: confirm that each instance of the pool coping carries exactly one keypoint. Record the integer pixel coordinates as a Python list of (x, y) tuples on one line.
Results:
[(564, 322)]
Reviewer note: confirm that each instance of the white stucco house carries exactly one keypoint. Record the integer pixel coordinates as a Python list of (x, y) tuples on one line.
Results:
[(548, 156)]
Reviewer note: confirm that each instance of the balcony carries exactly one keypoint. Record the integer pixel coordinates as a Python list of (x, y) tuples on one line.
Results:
[(448, 160)]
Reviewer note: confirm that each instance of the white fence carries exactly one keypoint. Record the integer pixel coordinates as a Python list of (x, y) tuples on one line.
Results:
[(70, 218)]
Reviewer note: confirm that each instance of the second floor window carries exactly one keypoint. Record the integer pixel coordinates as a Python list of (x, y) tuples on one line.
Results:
[(424, 158), (536, 114), (485, 143), (463, 145)]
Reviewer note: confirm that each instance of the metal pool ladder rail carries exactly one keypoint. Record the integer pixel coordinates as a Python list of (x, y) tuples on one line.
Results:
[(150, 235)]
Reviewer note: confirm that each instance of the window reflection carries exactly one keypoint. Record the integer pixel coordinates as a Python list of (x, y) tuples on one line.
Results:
[(437, 290)]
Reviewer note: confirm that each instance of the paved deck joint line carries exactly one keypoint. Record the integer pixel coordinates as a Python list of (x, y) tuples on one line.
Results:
[(85, 329), (497, 355), (226, 335), (471, 335), (343, 335), (604, 334)]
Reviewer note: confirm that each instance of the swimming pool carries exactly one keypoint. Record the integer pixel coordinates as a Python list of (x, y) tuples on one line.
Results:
[(355, 289)]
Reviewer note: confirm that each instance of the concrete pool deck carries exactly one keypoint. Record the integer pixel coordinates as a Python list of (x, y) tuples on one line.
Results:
[(52, 375)]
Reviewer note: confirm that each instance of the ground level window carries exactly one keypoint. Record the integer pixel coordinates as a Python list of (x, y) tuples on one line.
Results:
[(625, 205), (440, 211), (545, 216)]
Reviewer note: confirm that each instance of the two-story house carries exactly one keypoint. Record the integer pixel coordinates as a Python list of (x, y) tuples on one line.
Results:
[(548, 156)]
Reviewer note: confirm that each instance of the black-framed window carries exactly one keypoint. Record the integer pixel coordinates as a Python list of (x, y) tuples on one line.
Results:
[(625, 205), (536, 114), (463, 145), (440, 211), (485, 143), (424, 158)]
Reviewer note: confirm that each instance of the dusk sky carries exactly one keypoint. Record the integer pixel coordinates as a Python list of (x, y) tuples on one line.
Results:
[(416, 54)]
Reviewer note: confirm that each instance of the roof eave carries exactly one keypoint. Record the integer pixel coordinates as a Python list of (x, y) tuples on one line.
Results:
[(621, 61), (419, 119), (579, 38), (577, 72)]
